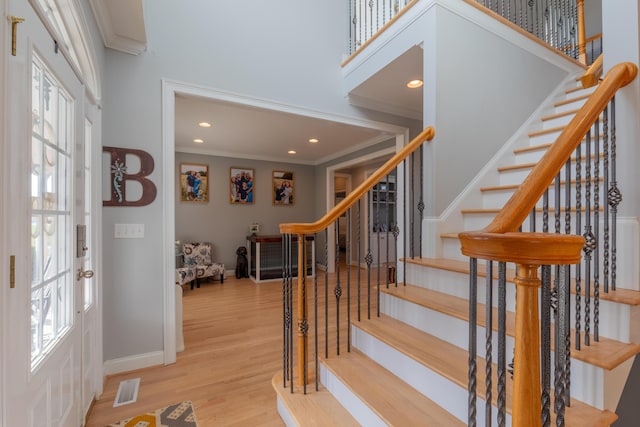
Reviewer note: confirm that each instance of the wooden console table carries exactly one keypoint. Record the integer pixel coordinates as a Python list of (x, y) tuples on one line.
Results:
[(265, 257)]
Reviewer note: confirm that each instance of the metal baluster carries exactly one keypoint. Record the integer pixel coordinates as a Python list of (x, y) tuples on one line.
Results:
[(411, 204), (286, 313), (589, 243), (615, 197), (404, 218), (315, 321), (337, 290), (421, 202), (560, 354), (578, 324), (347, 256), (386, 229), (379, 256), (304, 323), (605, 186), (567, 230), (545, 338), (488, 343), (359, 243), (326, 295), (369, 258), (502, 347), (596, 232), (473, 301)]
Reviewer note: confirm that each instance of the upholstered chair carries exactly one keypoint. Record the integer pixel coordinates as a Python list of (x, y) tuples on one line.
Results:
[(199, 256)]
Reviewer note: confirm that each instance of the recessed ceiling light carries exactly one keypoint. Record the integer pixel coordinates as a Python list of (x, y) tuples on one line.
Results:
[(291, 151), (198, 140), (414, 84), (313, 140), (204, 124)]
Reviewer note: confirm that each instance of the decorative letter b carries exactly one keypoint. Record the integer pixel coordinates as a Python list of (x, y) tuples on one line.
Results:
[(118, 176)]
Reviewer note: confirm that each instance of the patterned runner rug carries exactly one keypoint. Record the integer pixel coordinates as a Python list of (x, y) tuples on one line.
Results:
[(176, 415)]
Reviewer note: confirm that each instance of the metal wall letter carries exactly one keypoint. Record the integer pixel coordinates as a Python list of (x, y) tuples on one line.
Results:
[(119, 177)]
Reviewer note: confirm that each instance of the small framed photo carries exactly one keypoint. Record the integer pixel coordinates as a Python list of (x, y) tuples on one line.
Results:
[(194, 182), (242, 185), (283, 188)]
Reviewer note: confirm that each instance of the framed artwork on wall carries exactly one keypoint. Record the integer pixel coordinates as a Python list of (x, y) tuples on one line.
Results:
[(243, 185), (283, 188), (194, 182)]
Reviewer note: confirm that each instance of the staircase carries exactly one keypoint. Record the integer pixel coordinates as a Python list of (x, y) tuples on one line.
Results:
[(409, 366)]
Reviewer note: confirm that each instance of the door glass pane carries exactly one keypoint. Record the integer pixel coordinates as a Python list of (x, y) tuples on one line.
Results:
[(51, 240)]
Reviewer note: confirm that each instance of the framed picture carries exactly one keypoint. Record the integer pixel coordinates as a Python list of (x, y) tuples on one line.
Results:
[(194, 182), (242, 185), (283, 188)]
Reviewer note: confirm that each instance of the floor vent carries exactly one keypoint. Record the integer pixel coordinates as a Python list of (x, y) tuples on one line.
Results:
[(127, 392)]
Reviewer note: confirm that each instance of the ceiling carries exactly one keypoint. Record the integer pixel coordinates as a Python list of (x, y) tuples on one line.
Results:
[(258, 133)]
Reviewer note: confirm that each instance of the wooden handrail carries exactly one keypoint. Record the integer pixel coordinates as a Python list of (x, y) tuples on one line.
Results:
[(525, 197), (361, 190), (593, 73)]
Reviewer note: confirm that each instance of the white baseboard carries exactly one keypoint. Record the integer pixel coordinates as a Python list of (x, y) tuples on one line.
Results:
[(131, 363)]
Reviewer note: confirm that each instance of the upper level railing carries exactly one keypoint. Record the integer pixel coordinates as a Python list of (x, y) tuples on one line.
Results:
[(592, 129), (558, 23)]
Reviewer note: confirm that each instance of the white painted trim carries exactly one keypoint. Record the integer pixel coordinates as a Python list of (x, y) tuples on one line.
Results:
[(131, 363), (168, 220), (284, 413)]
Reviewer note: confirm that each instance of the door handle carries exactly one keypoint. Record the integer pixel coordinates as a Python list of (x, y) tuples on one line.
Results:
[(84, 274)]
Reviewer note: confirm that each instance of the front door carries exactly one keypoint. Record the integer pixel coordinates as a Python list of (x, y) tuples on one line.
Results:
[(42, 326)]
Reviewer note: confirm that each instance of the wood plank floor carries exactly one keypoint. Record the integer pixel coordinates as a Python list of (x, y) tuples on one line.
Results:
[(233, 341)]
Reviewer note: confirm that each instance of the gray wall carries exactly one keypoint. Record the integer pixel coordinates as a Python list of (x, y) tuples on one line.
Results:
[(226, 225), (486, 88), (265, 50)]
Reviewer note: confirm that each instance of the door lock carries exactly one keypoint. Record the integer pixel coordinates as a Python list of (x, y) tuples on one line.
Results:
[(84, 274)]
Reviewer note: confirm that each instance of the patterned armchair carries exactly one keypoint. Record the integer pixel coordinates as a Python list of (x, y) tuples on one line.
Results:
[(198, 256)]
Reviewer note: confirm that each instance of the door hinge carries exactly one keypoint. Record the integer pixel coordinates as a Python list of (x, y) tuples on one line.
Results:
[(12, 271), (14, 32)]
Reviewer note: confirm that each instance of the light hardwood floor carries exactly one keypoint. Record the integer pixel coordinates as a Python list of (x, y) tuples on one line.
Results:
[(233, 336), (233, 348)]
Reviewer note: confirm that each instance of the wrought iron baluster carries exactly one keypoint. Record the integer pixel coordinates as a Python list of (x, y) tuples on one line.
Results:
[(347, 256), (488, 343), (615, 197), (560, 350), (473, 321), (596, 231), (358, 245), (286, 311), (387, 231), (421, 202), (369, 258), (545, 339), (589, 243), (326, 294), (578, 323), (605, 187), (337, 290), (315, 321), (404, 218), (502, 347), (378, 252)]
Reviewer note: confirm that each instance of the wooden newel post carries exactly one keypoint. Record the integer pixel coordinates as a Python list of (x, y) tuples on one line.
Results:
[(303, 321), (582, 54), (526, 376)]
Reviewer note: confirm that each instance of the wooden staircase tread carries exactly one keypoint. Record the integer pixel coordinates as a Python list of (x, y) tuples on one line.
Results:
[(546, 131), (571, 100), (540, 147), (496, 210), (620, 295), (531, 165), (512, 187), (314, 409), (606, 353), (558, 115), (393, 400), (452, 363)]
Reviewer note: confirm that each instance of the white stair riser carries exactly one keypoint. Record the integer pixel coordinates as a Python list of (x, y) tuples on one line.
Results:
[(570, 106), (284, 414), (351, 402), (614, 318), (585, 378), (452, 397)]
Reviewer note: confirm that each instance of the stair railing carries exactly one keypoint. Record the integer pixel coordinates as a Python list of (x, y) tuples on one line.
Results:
[(375, 201), (504, 242)]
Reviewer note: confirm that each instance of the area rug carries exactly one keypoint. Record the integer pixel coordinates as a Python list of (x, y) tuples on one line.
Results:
[(176, 415)]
